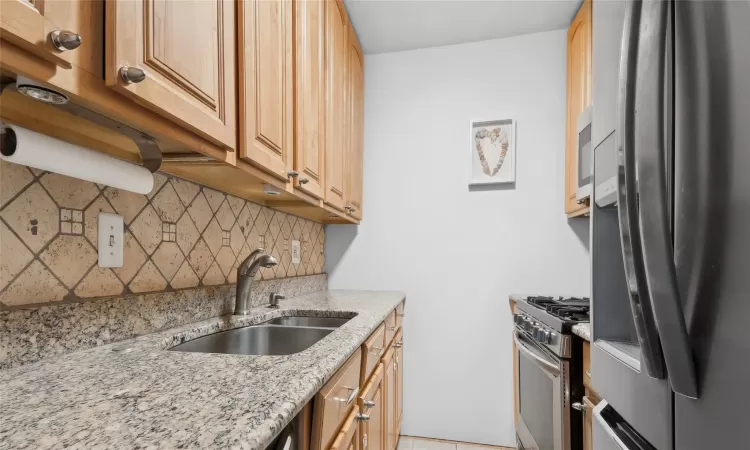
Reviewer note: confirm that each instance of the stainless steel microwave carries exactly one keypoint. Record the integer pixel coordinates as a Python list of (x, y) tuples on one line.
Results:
[(585, 168)]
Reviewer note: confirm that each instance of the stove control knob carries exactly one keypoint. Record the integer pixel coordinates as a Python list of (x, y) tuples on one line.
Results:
[(539, 335), (529, 325), (517, 319), (547, 337)]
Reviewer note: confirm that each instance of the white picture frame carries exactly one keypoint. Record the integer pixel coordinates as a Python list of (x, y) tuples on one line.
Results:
[(488, 140)]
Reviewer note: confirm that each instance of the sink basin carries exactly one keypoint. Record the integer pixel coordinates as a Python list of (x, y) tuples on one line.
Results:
[(304, 321), (257, 340)]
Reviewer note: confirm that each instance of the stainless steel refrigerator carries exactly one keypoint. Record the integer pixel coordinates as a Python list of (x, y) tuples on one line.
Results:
[(670, 234)]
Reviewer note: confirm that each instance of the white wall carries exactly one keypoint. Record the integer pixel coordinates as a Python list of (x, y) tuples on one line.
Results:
[(459, 253)]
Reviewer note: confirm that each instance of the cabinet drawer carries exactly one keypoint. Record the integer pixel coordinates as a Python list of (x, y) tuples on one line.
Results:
[(372, 350), (335, 400), (400, 315), (372, 404), (390, 328)]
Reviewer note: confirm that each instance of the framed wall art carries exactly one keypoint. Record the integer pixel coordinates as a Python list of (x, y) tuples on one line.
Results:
[(493, 152)]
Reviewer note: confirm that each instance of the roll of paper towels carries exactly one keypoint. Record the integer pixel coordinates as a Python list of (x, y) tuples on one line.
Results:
[(22, 146)]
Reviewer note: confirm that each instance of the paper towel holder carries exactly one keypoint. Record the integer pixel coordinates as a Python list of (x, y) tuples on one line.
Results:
[(148, 148)]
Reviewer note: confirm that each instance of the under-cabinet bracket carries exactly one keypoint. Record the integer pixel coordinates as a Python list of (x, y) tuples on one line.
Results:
[(148, 148)]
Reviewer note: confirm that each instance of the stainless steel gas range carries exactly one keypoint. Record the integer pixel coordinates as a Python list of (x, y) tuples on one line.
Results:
[(549, 379)]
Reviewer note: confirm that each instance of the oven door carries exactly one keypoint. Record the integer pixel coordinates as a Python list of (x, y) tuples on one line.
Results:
[(543, 397)]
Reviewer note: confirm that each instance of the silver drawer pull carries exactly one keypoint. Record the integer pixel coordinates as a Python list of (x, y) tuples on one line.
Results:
[(399, 344), (363, 417), (351, 397), (369, 404)]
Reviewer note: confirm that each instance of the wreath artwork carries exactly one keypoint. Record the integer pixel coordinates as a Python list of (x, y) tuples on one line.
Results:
[(497, 134), (493, 152)]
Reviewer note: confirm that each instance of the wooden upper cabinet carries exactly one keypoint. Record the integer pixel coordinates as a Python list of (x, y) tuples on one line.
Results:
[(29, 25), (356, 95), (579, 97), (266, 65), (309, 143), (186, 52), (336, 106)]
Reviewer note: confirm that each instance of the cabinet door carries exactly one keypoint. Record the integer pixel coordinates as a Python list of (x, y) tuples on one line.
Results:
[(579, 97), (349, 436), (186, 51), (28, 24), (399, 368), (588, 425), (266, 84), (372, 404), (354, 168), (336, 105), (391, 439), (309, 143)]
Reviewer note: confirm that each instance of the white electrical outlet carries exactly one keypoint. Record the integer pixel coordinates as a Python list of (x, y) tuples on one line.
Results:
[(110, 240), (296, 254)]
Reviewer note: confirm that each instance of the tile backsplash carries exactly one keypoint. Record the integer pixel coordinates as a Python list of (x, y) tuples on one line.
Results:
[(181, 235)]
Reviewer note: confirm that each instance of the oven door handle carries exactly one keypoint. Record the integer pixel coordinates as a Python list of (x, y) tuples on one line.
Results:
[(535, 356)]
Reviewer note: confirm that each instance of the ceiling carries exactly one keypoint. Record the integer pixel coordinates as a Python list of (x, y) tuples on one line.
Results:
[(396, 25)]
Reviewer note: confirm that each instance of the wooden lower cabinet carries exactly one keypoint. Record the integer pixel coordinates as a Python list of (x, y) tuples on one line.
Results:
[(372, 405), (348, 437), (391, 438), (335, 401), (398, 364), (588, 424)]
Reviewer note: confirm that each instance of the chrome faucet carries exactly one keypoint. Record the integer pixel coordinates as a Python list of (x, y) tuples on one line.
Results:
[(245, 275)]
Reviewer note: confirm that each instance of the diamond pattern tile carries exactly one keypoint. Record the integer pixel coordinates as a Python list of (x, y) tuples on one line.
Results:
[(214, 276), (167, 204), (261, 223), (69, 192), (215, 198), (201, 258), (69, 257), (33, 216), (245, 221), (147, 228), (99, 282), (200, 212), (184, 278), (127, 204), (236, 239), (236, 204), (14, 255), (148, 280), (133, 258), (213, 236), (168, 259), (13, 179), (187, 234), (225, 216), (225, 259), (186, 190), (91, 219), (34, 285), (159, 180), (181, 235)]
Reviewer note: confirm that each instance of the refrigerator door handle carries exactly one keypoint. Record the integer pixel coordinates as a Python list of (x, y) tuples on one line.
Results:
[(654, 202), (627, 200)]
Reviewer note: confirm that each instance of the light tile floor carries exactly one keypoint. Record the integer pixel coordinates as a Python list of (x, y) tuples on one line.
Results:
[(415, 443)]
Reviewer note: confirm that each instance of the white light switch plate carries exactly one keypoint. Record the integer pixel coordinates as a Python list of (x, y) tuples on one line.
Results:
[(110, 240), (296, 254)]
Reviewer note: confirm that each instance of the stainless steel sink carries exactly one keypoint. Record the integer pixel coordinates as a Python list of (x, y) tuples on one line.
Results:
[(257, 340), (304, 321)]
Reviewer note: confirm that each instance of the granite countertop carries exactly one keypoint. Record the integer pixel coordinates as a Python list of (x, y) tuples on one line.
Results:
[(134, 393), (583, 330)]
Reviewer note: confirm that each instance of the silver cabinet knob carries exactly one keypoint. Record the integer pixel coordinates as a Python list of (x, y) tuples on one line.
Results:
[(578, 406), (363, 417), (303, 181), (369, 403), (65, 40), (130, 75), (398, 344), (292, 174)]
